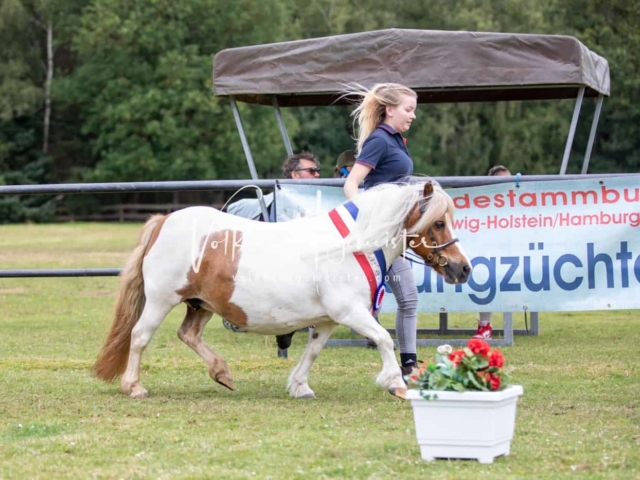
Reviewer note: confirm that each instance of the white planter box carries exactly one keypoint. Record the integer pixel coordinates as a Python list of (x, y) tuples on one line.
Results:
[(474, 425)]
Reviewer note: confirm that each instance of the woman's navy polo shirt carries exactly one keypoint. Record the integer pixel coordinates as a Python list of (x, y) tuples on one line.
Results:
[(385, 152)]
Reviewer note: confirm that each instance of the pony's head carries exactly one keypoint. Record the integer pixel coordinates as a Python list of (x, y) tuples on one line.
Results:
[(418, 216), (430, 234)]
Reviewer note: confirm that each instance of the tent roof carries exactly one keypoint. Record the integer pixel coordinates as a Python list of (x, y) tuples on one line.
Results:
[(442, 66)]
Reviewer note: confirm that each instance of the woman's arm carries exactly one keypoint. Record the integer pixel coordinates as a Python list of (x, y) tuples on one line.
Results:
[(355, 178)]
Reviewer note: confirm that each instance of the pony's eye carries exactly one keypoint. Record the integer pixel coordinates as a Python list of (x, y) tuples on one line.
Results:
[(439, 225)]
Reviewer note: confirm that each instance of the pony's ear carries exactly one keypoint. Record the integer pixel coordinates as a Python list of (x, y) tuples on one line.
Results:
[(428, 190), (426, 196)]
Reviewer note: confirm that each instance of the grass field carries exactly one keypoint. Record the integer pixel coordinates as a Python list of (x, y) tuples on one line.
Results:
[(579, 417)]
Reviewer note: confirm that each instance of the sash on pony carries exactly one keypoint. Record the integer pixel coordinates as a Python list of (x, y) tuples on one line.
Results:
[(344, 218)]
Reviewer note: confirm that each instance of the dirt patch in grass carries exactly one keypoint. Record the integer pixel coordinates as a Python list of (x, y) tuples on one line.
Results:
[(97, 293), (12, 291)]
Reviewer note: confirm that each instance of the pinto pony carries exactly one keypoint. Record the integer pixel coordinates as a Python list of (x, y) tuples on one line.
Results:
[(274, 278)]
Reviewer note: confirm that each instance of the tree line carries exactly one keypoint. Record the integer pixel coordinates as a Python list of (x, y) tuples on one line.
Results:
[(113, 90)]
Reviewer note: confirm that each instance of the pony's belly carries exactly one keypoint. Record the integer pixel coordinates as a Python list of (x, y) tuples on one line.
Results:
[(277, 306), (274, 314), (280, 295), (276, 328)]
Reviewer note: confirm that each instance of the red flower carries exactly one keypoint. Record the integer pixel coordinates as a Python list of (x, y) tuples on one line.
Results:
[(493, 381), (496, 359), (478, 346), (456, 356)]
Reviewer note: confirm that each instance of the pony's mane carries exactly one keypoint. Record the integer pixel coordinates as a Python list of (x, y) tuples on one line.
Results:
[(384, 208)]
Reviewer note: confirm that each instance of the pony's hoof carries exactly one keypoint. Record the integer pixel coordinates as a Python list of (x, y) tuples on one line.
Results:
[(400, 393), (139, 393), (225, 382), (302, 393)]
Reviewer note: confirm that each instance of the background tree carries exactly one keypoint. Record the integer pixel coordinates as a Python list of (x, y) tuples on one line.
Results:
[(21, 161), (144, 87), (112, 90)]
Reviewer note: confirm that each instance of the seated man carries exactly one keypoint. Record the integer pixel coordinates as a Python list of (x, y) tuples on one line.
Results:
[(304, 165), (301, 165)]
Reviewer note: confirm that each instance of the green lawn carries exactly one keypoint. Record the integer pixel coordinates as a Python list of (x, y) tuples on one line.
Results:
[(579, 417)]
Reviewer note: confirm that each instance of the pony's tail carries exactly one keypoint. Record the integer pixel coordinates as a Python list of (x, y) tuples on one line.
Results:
[(113, 358)]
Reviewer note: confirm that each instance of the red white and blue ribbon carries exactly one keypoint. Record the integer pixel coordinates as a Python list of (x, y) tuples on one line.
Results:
[(344, 218)]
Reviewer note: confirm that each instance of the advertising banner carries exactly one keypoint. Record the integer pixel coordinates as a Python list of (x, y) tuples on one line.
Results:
[(539, 246)]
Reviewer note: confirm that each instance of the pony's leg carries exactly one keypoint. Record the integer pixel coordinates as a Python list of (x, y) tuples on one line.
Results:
[(361, 320), (297, 383), (152, 316), (190, 332)]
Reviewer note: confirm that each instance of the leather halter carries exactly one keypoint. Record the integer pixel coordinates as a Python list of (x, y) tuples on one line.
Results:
[(436, 258)]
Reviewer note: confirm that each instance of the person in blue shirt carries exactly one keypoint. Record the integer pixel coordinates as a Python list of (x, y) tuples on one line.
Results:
[(382, 116)]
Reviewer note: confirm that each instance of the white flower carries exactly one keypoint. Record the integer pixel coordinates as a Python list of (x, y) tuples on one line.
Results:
[(445, 349)]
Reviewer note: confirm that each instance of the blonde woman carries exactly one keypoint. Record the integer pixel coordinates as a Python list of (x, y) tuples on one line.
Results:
[(382, 116)]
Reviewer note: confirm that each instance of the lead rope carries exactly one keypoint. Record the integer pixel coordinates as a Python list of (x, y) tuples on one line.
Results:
[(255, 187)]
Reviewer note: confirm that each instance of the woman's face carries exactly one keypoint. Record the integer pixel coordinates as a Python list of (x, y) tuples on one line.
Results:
[(401, 116)]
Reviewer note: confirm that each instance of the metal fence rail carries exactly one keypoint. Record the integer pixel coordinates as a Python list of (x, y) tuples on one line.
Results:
[(78, 272), (118, 187)]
